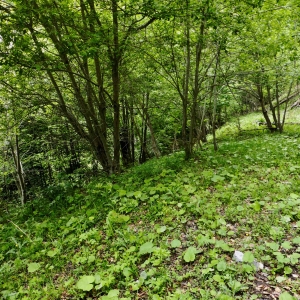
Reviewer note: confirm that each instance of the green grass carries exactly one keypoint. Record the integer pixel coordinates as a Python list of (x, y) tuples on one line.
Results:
[(166, 229)]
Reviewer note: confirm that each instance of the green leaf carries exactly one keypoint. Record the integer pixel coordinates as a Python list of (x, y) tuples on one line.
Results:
[(175, 243), (146, 248), (280, 279), (286, 296), (296, 240), (85, 283), (161, 229), (285, 219), (256, 206), (224, 297), (273, 246), (112, 295), (294, 196), (288, 270), (91, 258), (32, 267), (137, 194), (222, 266), (248, 257), (217, 278), (221, 244), (52, 253), (127, 272), (294, 258), (217, 178), (286, 245), (122, 193), (190, 254), (115, 218)]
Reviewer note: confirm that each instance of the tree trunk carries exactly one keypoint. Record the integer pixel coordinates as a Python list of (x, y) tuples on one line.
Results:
[(20, 175), (185, 97)]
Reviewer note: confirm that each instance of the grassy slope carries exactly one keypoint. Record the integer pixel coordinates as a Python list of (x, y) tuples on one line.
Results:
[(167, 229)]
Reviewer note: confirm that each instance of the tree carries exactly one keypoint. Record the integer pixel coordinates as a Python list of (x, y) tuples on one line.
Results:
[(79, 53)]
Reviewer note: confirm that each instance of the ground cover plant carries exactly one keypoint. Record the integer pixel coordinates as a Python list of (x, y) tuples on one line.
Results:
[(166, 229)]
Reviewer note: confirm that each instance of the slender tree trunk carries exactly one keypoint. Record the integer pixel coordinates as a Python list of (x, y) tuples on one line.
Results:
[(186, 86), (116, 86), (196, 90), (20, 175), (215, 99)]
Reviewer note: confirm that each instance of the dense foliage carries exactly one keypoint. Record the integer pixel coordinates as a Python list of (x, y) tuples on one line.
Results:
[(167, 229), (89, 85), (123, 137)]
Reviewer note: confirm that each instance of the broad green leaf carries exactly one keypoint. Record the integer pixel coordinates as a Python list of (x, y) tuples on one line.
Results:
[(85, 283), (235, 285), (288, 270), (273, 246), (52, 253), (224, 297), (190, 254), (217, 178), (286, 245), (296, 240), (294, 196), (114, 217), (222, 266), (122, 193), (221, 244), (248, 257), (127, 272), (280, 279), (137, 194), (144, 275), (218, 278), (161, 229), (91, 258), (294, 258), (286, 296), (146, 248), (32, 267), (256, 206), (112, 295), (175, 243), (285, 219)]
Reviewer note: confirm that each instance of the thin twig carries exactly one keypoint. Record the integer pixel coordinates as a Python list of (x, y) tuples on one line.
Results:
[(20, 230)]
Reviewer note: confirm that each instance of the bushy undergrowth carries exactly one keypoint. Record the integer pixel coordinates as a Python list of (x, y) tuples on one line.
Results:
[(166, 230)]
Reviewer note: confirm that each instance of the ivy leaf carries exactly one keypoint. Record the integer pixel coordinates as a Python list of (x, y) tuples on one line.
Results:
[(32, 267), (85, 283), (175, 243), (146, 248), (190, 254)]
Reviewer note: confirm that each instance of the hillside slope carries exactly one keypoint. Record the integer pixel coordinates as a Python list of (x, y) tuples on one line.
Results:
[(167, 229)]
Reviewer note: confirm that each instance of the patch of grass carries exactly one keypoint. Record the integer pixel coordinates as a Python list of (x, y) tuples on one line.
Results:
[(167, 230)]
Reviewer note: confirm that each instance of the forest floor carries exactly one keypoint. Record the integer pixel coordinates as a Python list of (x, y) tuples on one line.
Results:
[(168, 229)]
